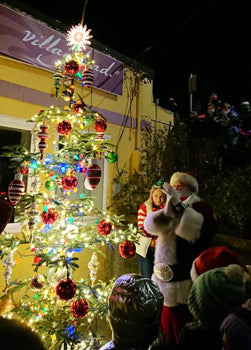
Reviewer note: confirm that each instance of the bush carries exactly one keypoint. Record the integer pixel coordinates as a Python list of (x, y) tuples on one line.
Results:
[(229, 195), (225, 186)]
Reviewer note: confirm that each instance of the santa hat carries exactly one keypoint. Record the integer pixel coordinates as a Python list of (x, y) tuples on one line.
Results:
[(213, 257), (186, 179)]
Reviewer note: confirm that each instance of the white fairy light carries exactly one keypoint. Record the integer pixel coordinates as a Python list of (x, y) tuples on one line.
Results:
[(78, 37)]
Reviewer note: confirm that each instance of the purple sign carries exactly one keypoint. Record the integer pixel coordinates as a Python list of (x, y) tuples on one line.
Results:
[(33, 42)]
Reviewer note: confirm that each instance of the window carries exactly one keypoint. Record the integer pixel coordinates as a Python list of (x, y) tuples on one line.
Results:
[(13, 131)]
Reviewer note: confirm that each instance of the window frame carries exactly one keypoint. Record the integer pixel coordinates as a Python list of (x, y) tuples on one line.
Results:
[(21, 124)]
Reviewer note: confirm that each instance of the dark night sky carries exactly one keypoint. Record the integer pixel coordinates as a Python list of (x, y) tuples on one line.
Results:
[(210, 38)]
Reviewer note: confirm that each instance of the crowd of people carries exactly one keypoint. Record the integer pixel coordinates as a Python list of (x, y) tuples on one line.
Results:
[(222, 125), (205, 289)]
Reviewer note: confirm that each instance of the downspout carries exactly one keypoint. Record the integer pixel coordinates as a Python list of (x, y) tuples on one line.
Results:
[(135, 155), (138, 116)]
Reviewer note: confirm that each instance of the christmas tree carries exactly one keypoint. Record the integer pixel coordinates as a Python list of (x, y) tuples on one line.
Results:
[(59, 220)]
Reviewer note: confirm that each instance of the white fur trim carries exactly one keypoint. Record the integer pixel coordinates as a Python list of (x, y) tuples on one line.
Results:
[(165, 251), (185, 178), (191, 199), (158, 222), (193, 272), (189, 225), (175, 293)]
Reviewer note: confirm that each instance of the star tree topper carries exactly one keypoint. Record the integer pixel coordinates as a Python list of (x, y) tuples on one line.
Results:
[(78, 37)]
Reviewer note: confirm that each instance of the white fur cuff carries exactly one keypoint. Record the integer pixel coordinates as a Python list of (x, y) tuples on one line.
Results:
[(189, 225), (193, 272)]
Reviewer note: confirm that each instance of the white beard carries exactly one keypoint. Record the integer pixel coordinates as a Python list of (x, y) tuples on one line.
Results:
[(185, 192)]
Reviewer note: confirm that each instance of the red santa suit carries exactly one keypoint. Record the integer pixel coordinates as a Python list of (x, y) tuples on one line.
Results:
[(183, 232)]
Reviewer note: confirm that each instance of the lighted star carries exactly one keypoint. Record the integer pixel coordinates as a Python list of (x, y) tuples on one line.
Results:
[(78, 37)]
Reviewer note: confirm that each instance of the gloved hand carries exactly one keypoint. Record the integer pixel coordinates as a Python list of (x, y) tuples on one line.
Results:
[(171, 192)]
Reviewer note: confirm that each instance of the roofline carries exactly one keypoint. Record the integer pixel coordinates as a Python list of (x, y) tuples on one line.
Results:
[(63, 28)]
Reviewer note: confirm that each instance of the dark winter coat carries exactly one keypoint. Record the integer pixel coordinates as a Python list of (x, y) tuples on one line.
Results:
[(135, 306), (194, 336)]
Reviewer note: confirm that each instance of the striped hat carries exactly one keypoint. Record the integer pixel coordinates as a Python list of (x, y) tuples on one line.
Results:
[(218, 292)]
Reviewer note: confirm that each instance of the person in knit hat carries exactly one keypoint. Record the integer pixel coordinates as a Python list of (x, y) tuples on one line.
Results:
[(185, 227), (236, 330), (134, 310), (214, 295), (217, 256)]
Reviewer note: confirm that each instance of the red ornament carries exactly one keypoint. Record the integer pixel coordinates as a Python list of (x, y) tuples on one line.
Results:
[(16, 189), (79, 308), (37, 259), (43, 135), (104, 228), (127, 249), (100, 125), (93, 175), (79, 107), (64, 127), (66, 289), (72, 67), (49, 217), (24, 170), (88, 77), (69, 182)]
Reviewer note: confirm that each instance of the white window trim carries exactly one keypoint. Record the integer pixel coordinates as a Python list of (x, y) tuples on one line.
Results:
[(15, 122), (11, 122)]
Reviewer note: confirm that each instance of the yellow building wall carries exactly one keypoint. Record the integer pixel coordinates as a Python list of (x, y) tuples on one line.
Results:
[(19, 75)]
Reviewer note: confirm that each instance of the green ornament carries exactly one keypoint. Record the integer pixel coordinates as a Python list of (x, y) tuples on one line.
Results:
[(111, 157), (50, 185), (160, 182)]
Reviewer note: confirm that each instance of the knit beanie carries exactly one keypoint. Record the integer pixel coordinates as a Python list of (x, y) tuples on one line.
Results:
[(186, 179), (135, 306), (237, 326), (212, 258), (218, 292)]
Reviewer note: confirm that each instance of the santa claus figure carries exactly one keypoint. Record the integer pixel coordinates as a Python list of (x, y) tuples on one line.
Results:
[(185, 227)]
